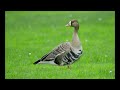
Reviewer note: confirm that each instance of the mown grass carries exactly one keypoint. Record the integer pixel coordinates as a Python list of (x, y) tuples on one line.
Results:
[(38, 32)]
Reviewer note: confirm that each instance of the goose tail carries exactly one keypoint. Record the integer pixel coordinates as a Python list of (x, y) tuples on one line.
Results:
[(37, 62), (40, 60)]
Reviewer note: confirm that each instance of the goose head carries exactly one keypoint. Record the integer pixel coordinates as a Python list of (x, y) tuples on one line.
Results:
[(73, 23)]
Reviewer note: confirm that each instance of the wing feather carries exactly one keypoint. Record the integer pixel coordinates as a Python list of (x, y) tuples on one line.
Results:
[(58, 51)]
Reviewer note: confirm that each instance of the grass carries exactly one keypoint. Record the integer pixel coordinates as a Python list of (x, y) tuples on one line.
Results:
[(39, 32)]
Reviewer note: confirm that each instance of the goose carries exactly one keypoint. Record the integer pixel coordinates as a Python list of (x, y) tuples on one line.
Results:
[(67, 52)]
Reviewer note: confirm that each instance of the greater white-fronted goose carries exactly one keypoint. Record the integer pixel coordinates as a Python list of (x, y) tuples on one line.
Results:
[(65, 53)]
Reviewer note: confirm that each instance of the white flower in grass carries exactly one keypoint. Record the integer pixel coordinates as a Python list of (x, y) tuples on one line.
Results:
[(110, 71), (29, 53), (99, 19)]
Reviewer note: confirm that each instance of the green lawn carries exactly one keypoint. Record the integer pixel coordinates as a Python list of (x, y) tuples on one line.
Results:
[(39, 32)]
